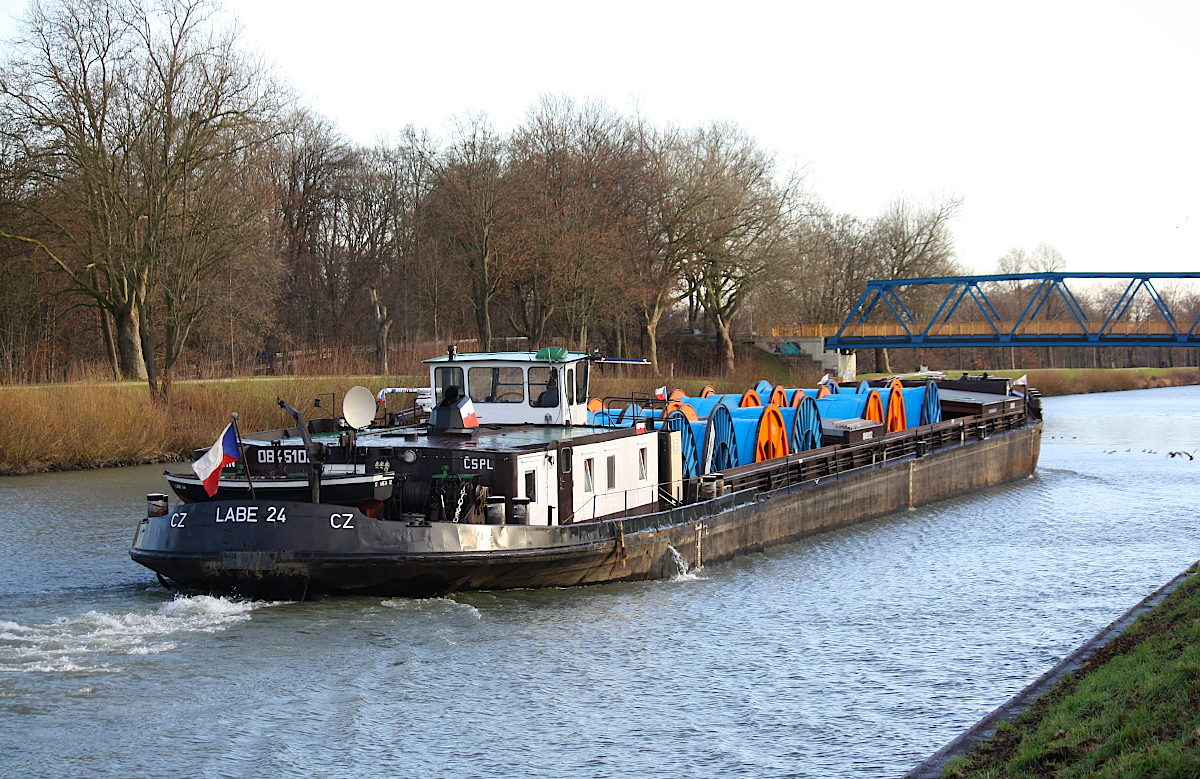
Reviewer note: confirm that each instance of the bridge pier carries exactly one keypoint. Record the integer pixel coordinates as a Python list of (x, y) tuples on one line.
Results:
[(843, 367)]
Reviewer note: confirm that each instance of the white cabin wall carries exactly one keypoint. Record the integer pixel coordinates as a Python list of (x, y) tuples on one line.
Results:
[(630, 491), (542, 464)]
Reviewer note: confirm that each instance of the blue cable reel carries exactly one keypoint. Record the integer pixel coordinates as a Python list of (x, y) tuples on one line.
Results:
[(804, 433), (720, 442), (841, 406), (931, 408), (629, 415), (691, 460)]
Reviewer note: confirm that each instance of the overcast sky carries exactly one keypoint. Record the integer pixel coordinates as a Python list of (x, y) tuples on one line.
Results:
[(1074, 124)]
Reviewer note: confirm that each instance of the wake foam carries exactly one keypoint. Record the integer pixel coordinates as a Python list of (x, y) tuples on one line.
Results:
[(90, 642), (445, 605), (678, 570)]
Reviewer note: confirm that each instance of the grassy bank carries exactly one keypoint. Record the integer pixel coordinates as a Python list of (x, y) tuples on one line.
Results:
[(1082, 381), (1079, 381), (1133, 710), (88, 425), (69, 426)]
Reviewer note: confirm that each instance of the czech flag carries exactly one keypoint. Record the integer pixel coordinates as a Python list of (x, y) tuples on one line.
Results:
[(223, 452), (467, 410)]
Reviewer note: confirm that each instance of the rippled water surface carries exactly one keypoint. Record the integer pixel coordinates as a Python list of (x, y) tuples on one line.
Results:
[(857, 653)]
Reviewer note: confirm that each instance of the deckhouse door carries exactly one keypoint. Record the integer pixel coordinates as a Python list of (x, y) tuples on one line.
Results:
[(566, 484)]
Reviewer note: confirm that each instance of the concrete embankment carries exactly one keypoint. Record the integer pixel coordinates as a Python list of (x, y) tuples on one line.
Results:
[(986, 728)]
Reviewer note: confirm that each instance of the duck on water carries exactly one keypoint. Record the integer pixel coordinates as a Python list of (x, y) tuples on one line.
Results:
[(506, 483)]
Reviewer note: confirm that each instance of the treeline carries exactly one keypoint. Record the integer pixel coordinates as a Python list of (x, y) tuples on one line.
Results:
[(166, 202), (167, 206)]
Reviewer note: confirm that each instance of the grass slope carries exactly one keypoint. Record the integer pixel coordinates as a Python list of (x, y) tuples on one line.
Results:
[(1132, 711)]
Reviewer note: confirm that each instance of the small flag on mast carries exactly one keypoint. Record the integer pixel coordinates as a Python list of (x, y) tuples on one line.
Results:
[(223, 452), (661, 392)]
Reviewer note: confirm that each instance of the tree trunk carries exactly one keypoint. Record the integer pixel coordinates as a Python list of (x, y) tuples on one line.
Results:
[(726, 346), (652, 320), (382, 325), (483, 319), (129, 346), (110, 345), (148, 339), (883, 364)]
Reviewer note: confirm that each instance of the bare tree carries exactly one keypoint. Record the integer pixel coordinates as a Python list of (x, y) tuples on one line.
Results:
[(469, 208), (1016, 295), (663, 226), (62, 87), (138, 127), (739, 224), (207, 115), (826, 262), (915, 241)]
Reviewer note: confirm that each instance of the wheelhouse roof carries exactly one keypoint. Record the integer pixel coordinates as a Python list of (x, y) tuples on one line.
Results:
[(555, 356)]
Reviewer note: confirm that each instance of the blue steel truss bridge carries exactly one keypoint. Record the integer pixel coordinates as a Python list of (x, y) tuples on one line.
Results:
[(1050, 313)]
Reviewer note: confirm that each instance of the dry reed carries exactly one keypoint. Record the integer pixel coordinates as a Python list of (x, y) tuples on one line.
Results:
[(90, 425), (1080, 381), (93, 425)]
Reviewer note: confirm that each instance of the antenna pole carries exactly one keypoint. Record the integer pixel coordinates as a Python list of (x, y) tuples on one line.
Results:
[(242, 453)]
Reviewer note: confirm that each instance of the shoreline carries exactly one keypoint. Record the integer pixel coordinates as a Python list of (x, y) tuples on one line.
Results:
[(82, 426), (1089, 657)]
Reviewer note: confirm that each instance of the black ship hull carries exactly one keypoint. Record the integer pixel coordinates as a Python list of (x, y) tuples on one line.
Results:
[(295, 550)]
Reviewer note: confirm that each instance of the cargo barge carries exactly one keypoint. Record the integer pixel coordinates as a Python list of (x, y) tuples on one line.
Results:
[(508, 486)]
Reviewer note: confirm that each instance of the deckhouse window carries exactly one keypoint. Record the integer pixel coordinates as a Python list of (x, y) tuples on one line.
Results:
[(531, 485), (589, 475), (612, 471), (496, 384), (642, 469), (581, 381), (444, 377), (543, 388)]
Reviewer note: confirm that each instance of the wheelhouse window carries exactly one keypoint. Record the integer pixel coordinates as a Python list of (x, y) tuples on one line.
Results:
[(589, 475), (543, 387), (581, 381), (443, 377), (496, 384), (570, 384)]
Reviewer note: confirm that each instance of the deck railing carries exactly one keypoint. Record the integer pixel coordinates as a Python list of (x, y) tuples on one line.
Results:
[(797, 469)]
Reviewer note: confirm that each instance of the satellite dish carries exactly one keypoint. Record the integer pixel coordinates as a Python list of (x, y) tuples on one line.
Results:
[(358, 407)]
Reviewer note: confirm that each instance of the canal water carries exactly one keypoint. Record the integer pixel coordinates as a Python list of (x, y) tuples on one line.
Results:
[(857, 653)]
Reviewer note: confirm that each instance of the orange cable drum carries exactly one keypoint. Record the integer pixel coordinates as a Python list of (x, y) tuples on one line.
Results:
[(595, 405), (750, 399), (772, 438), (897, 418), (677, 394), (823, 391), (708, 390), (874, 409), (779, 395), (686, 409)]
